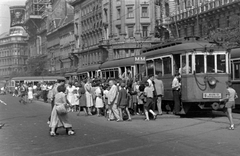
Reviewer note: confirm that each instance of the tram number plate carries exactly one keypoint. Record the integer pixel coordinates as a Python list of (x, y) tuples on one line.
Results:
[(212, 95)]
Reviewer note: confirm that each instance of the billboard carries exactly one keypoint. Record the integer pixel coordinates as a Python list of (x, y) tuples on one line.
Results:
[(17, 15)]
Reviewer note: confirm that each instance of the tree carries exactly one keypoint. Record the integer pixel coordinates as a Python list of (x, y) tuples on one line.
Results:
[(37, 66), (228, 37)]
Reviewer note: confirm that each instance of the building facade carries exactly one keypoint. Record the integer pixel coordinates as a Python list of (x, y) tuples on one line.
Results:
[(60, 39), (107, 30), (88, 33), (199, 18), (13, 52)]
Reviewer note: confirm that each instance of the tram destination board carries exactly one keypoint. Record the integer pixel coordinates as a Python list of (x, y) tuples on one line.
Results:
[(212, 95)]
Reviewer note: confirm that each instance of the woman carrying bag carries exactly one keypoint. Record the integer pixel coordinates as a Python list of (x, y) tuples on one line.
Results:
[(59, 116)]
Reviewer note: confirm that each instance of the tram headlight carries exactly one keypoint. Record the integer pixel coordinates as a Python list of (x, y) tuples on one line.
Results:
[(212, 81)]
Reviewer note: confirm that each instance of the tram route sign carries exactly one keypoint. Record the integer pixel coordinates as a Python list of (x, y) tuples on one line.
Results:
[(212, 95), (140, 60)]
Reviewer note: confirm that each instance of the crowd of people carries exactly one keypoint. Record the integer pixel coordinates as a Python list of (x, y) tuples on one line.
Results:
[(117, 100)]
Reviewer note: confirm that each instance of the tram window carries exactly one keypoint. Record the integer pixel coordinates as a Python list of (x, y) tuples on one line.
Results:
[(210, 64), (111, 74), (183, 69), (221, 65), (116, 74), (158, 66), (167, 65), (104, 74), (236, 71), (107, 74), (150, 67), (190, 63), (199, 63)]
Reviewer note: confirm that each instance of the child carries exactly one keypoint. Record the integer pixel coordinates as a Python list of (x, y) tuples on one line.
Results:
[(148, 92), (141, 99)]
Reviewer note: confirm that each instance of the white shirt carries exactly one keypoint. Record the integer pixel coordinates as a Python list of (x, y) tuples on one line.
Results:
[(150, 84), (175, 84)]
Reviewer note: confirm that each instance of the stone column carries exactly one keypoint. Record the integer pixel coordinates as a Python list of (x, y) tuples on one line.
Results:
[(137, 19), (123, 15)]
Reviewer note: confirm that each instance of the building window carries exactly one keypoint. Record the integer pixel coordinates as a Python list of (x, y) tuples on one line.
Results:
[(193, 30), (118, 13), (127, 54), (130, 31), (200, 30), (144, 31), (132, 52), (130, 12), (186, 31), (228, 21), (144, 11), (119, 30)]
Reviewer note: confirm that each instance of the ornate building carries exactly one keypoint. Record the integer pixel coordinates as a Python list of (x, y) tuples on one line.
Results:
[(13, 52), (106, 30), (199, 18), (60, 39), (88, 34)]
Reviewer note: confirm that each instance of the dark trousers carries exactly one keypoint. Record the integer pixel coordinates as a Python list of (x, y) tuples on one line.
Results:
[(176, 99), (44, 95)]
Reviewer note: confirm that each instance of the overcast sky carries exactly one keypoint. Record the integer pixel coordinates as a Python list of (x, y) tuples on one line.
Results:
[(5, 13)]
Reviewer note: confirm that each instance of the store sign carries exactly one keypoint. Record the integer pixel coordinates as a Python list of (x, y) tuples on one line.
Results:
[(17, 15), (140, 60)]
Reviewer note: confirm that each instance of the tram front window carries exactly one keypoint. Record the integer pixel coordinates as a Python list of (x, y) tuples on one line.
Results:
[(150, 67), (158, 66), (210, 64), (167, 65), (221, 65), (199, 63)]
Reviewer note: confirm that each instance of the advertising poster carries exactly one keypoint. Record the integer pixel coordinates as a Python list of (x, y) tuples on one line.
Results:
[(17, 14)]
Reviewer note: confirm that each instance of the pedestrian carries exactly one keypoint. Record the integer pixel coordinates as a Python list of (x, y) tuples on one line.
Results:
[(82, 98), (159, 88), (30, 93), (148, 91), (112, 102), (44, 91), (70, 95), (230, 102), (176, 85), (141, 98), (89, 97), (60, 119), (99, 98), (106, 89), (23, 93), (122, 102)]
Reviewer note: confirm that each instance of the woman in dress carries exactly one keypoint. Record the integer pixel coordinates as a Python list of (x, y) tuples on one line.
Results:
[(99, 98), (60, 119), (82, 98), (30, 93), (70, 95), (89, 97)]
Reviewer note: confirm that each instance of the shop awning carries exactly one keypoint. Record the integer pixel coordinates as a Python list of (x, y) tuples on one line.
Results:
[(89, 68), (118, 63)]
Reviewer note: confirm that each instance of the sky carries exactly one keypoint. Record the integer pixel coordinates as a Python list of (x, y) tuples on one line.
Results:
[(5, 13)]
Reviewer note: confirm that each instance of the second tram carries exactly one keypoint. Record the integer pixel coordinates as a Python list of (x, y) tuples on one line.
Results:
[(204, 69)]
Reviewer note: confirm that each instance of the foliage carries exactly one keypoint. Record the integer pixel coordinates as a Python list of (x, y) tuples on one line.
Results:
[(37, 66), (228, 37)]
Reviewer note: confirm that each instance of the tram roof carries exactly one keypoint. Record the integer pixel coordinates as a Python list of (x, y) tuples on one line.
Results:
[(89, 68), (39, 78), (118, 63), (235, 53), (179, 48)]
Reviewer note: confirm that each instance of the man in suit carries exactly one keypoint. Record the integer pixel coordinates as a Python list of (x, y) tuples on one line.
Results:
[(159, 88), (112, 102)]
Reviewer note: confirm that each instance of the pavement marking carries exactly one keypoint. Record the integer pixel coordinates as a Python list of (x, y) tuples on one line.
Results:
[(79, 148), (3, 102)]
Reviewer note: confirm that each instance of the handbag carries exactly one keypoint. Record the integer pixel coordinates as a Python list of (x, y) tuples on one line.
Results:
[(61, 109)]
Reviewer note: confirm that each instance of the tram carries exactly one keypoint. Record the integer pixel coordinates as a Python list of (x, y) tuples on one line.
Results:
[(204, 69), (13, 82), (235, 70)]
